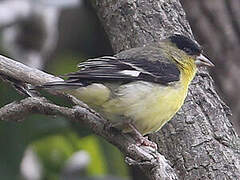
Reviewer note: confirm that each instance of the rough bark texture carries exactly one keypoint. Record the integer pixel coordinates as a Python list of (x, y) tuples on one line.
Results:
[(132, 23), (217, 25), (200, 141)]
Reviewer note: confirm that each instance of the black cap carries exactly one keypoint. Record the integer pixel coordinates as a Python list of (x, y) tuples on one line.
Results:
[(186, 44)]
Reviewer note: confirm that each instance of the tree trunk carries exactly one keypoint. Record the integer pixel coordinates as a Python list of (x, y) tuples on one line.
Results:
[(199, 141), (217, 25)]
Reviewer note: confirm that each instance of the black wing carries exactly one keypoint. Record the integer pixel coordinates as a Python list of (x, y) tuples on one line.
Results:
[(112, 69)]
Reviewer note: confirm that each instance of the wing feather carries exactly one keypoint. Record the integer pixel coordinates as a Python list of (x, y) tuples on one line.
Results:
[(108, 69)]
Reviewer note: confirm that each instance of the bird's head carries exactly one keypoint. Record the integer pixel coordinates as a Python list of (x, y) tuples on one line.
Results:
[(190, 48)]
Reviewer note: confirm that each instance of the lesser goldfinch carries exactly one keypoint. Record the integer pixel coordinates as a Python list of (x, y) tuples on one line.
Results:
[(139, 89)]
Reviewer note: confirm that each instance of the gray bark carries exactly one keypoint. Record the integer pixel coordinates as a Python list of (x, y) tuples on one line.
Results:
[(200, 141), (217, 25)]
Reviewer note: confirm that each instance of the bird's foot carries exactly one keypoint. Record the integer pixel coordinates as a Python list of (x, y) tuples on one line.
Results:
[(144, 141), (141, 140)]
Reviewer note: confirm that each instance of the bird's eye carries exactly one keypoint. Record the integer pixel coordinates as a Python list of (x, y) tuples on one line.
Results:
[(187, 50)]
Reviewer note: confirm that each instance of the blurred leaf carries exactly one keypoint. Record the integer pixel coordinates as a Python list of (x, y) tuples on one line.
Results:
[(114, 159), (12, 144), (53, 151), (39, 126), (64, 63), (98, 164), (8, 94)]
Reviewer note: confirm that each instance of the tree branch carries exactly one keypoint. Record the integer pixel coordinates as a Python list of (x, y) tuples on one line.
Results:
[(152, 163), (21, 72)]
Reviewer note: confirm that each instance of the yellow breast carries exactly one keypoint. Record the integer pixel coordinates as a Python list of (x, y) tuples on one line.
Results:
[(149, 106), (158, 108)]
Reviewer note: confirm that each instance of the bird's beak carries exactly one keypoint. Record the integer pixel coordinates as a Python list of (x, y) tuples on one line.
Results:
[(201, 60)]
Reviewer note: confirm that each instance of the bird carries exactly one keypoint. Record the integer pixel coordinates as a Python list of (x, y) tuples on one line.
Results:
[(140, 89)]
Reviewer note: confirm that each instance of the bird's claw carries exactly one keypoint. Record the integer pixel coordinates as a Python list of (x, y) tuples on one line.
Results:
[(144, 141)]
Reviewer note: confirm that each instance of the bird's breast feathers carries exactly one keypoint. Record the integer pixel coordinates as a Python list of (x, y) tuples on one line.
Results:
[(148, 105)]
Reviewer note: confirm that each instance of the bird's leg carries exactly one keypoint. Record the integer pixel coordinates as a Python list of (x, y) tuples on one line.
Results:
[(141, 140)]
